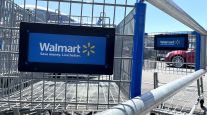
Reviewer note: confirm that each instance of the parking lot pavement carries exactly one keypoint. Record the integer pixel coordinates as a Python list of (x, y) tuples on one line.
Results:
[(182, 101)]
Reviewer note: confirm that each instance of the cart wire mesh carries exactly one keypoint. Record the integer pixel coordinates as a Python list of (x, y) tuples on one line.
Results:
[(35, 92)]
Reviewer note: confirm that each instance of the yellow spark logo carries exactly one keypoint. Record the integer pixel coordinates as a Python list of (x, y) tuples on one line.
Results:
[(88, 49)]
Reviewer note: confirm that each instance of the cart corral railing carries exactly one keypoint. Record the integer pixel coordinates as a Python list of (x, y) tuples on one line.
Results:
[(148, 101)]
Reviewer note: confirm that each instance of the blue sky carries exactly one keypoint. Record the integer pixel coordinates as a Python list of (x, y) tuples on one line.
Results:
[(156, 20)]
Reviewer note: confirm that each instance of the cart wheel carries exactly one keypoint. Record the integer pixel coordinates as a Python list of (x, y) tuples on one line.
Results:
[(201, 103)]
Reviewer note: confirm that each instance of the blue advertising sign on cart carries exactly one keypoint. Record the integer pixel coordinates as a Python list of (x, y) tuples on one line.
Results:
[(66, 49), (54, 48), (171, 42)]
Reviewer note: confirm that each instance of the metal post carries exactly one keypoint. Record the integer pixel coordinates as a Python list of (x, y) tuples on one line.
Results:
[(198, 48), (197, 61), (139, 31), (155, 80)]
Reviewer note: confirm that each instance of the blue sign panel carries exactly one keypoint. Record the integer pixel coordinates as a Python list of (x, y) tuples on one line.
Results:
[(171, 42), (56, 48), (66, 49)]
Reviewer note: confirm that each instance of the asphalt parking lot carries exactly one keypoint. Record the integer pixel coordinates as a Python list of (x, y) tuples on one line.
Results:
[(183, 101)]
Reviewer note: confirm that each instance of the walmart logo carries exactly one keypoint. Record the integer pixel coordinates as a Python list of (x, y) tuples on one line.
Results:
[(88, 49), (48, 47)]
